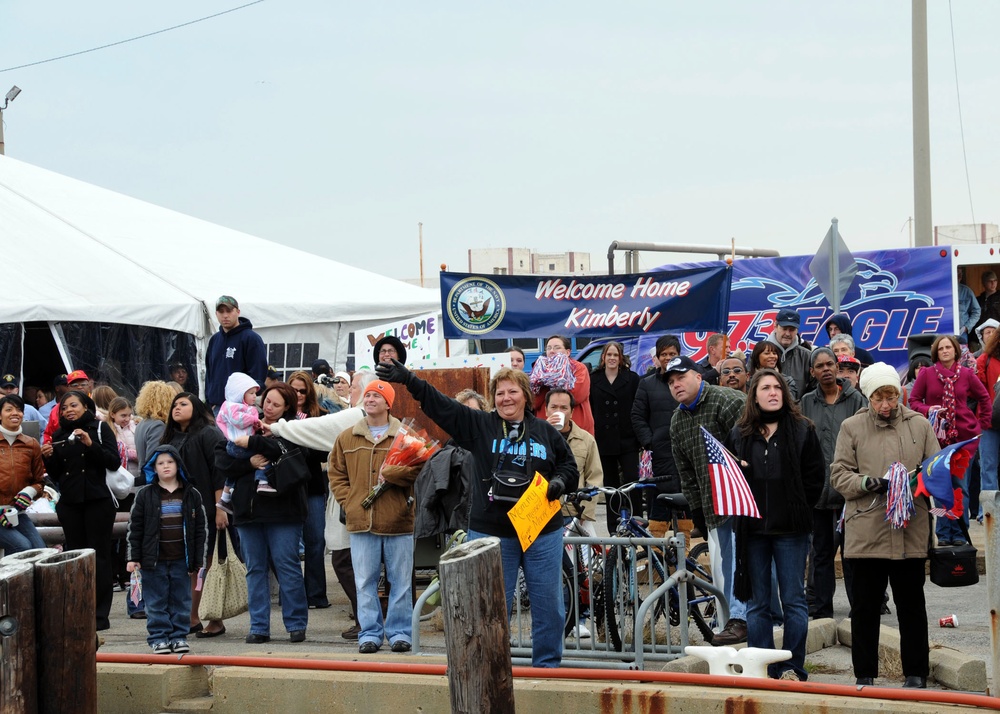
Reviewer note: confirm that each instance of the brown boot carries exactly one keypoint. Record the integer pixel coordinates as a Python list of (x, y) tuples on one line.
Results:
[(685, 526), (658, 529)]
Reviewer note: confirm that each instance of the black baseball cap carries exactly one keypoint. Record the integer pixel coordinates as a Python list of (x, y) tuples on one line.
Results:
[(681, 365), (788, 318), (321, 366), (8, 380)]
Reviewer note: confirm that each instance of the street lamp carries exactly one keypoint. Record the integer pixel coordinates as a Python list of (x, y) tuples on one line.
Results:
[(10, 97)]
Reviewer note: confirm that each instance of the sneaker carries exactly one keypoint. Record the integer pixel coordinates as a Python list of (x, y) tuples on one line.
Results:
[(790, 675), (401, 646), (161, 648), (180, 647), (224, 506), (733, 633), (368, 648), (352, 634), (265, 487), (581, 631)]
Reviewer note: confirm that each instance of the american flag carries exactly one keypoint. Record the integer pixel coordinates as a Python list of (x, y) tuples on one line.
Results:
[(731, 495)]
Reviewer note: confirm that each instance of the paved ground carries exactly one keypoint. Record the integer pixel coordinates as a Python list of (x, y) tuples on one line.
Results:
[(323, 637)]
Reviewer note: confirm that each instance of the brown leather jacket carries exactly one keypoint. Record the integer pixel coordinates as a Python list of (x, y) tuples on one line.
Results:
[(21, 465)]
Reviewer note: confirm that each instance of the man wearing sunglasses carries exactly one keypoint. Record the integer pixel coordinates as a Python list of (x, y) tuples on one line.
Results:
[(733, 374)]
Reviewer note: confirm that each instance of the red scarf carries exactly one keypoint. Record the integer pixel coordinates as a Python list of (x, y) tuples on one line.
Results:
[(948, 402)]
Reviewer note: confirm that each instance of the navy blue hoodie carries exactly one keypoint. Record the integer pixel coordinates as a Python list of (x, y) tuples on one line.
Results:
[(239, 350)]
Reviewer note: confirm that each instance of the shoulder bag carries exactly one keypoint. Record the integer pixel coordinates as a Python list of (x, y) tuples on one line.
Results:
[(119, 480), (224, 594), (290, 470)]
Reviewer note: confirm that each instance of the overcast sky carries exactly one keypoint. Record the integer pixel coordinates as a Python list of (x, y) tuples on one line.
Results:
[(337, 127)]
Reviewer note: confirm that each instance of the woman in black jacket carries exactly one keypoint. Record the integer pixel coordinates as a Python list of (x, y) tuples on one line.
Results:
[(782, 460), (192, 431), (81, 452), (510, 441), (270, 526), (612, 392)]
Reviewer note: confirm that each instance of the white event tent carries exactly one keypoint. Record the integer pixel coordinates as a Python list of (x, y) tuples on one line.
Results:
[(115, 259)]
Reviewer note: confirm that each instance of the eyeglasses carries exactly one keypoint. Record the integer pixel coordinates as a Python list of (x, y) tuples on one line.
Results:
[(891, 401), (733, 370), (302, 391), (387, 351)]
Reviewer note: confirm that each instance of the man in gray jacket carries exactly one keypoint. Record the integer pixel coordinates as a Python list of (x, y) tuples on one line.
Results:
[(833, 401), (794, 361)]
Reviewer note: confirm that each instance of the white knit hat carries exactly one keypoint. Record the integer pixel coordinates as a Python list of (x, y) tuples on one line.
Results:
[(878, 375), (237, 385)]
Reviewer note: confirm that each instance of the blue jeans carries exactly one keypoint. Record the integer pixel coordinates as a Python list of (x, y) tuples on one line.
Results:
[(542, 566), (274, 544), (989, 454), (368, 552), (238, 452), (722, 554), (24, 536), (788, 554), (314, 537), (166, 590)]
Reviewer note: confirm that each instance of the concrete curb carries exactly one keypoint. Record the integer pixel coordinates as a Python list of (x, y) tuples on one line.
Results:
[(822, 634), (949, 667)]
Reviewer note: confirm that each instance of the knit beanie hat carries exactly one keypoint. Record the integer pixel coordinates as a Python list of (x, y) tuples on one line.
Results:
[(383, 388), (878, 375), (237, 385)]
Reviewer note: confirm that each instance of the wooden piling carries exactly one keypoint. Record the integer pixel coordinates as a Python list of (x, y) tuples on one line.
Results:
[(18, 672), (476, 630), (65, 602)]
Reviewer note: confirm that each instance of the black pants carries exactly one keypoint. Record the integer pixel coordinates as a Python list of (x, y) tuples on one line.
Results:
[(822, 567), (620, 469), (90, 525), (906, 578), (344, 570)]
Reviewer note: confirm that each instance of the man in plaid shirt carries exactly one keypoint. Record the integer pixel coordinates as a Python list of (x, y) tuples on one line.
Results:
[(716, 409)]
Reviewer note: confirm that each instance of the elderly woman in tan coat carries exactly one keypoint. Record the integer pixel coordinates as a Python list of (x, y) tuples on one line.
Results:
[(869, 442)]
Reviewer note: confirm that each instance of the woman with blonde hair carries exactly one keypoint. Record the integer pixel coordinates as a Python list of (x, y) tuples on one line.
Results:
[(152, 406)]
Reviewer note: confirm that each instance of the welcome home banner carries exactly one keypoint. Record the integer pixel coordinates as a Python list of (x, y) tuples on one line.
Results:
[(499, 306)]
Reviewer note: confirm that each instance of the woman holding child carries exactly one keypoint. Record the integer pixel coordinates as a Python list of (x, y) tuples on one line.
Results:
[(270, 525)]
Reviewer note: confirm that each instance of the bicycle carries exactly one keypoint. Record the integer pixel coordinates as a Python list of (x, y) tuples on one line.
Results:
[(632, 572)]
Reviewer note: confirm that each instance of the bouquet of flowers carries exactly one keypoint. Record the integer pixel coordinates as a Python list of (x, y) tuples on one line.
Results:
[(411, 447), (553, 371)]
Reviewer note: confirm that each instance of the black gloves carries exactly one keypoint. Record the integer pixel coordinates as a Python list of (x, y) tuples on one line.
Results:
[(556, 489), (875, 485), (392, 372)]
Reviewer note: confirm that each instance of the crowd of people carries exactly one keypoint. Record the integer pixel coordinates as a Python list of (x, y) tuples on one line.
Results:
[(814, 431)]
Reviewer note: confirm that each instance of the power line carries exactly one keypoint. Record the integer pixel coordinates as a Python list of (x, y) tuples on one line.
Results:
[(131, 39), (961, 124)]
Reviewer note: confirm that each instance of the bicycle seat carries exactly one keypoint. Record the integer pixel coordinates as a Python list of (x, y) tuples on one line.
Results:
[(675, 500)]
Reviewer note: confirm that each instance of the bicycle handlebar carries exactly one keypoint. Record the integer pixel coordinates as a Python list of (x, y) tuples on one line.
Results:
[(587, 494)]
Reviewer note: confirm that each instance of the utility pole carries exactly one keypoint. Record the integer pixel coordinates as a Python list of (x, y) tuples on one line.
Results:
[(11, 96), (420, 231), (924, 227)]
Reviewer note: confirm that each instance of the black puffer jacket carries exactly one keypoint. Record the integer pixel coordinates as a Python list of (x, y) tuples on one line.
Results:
[(80, 471), (652, 410), (248, 507), (144, 524)]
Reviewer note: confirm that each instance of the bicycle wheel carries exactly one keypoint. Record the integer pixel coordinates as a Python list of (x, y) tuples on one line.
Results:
[(619, 596), (571, 600)]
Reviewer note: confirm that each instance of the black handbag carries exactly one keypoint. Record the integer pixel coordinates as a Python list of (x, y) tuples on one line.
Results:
[(290, 470), (954, 566), (509, 484)]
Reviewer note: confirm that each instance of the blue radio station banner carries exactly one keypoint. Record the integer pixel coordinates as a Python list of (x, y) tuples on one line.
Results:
[(500, 306)]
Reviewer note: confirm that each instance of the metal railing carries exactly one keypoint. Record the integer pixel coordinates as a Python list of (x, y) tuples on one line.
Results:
[(650, 594)]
